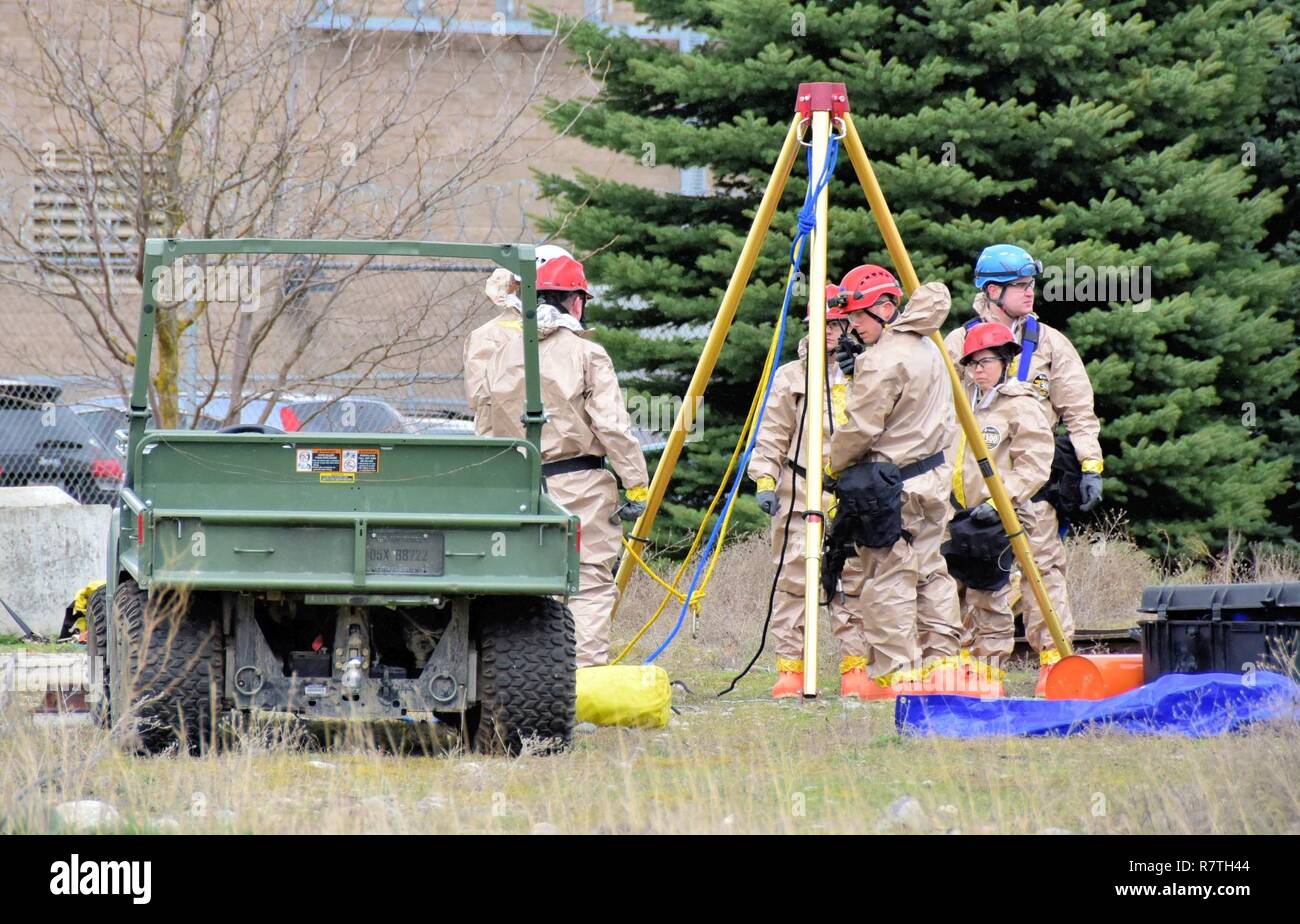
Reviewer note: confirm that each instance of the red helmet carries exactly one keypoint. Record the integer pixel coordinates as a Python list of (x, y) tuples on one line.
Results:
[(863, 285), (989, 335), (562, 274)]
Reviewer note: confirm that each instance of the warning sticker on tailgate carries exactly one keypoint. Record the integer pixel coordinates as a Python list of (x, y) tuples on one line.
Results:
[(353, 461)]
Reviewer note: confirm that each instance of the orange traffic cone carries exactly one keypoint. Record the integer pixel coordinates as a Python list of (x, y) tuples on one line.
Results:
[(789, 680)]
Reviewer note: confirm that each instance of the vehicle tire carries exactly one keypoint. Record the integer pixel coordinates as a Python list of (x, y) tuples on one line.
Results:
[(527, 683), (166, 669), (97, 655)]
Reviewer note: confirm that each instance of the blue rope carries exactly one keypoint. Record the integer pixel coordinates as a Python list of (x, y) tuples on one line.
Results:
[(807, 221)]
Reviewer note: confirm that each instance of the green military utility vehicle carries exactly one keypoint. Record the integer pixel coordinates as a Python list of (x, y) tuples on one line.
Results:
[(262, 570)]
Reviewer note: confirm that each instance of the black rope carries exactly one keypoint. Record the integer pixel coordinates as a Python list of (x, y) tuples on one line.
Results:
[(785, 544)]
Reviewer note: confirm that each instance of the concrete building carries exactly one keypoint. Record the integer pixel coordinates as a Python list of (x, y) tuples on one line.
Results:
[(72, 314)]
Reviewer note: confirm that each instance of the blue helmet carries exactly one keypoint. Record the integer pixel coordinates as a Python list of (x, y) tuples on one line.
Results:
[(1003, 263)]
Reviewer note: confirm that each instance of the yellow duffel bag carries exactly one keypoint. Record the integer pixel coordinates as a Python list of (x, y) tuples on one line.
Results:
[(631, 695)]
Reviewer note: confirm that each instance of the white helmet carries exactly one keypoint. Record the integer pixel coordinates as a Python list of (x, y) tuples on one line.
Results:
[(546, 252), (550, 252)]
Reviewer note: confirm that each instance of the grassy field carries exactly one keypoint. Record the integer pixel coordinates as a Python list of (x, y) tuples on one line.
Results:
[(741, 764)]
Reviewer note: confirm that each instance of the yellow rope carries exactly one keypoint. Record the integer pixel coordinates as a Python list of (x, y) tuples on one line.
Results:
[(681, 597), (698, 596)]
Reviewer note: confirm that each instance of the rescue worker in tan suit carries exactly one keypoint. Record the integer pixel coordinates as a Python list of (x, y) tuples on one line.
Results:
[(1020, 443), (900, 412), (1004, 276), (502, 290), (586, 424), (777, 468)]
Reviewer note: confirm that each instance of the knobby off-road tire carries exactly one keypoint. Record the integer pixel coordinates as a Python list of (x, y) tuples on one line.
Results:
[(527, 685), (166, 669), (97, 655)]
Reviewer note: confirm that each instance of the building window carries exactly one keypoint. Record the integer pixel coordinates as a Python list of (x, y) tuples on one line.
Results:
[(83, 215)]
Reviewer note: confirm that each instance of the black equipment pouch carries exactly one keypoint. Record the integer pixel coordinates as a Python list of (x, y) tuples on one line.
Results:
[(870, 504), (974, 552), (1064, 487)]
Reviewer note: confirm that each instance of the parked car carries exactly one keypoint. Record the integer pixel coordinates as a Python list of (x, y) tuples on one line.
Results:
[(350, 414), (444, 425), (44, 443), (107, 415), (108, 424)]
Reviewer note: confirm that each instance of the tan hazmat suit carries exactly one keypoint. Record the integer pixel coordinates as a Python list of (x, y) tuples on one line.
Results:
[(771, 466), (484, 341), (900, 410), (1020, 443), (586, 416), (1061, 384)]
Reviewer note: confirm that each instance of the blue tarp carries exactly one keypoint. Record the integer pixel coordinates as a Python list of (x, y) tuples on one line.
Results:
[(1195, 705)]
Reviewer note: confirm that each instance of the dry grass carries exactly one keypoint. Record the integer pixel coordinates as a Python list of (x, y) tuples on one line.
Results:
[(1106, 572), (736, 765)]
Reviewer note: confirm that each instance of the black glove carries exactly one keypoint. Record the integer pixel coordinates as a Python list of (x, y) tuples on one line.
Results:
[(847, 351), (985, 513), (628, 512), (768, 503), (1089, 490)]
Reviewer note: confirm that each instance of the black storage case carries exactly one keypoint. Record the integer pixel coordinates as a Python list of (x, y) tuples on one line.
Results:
[(1203, 628)]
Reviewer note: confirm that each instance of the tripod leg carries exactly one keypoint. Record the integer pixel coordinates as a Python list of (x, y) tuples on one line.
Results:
[(813, 525), (712, 347), (903, 263)]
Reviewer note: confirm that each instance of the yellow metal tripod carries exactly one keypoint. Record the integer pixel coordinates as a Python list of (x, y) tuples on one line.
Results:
[(821, 109)]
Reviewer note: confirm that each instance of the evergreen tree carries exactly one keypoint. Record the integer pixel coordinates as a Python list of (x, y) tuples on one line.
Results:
[(1107, 135), (1278, 151)]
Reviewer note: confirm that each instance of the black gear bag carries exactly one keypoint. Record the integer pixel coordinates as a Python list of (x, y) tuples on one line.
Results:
[(1064, 486), (974, 552), (868, 512)]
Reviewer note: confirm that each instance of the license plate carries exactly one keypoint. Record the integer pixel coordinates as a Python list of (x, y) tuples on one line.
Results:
[(404, 551)]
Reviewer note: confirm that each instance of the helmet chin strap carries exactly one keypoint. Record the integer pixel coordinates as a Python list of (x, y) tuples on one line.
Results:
[(875, 317)]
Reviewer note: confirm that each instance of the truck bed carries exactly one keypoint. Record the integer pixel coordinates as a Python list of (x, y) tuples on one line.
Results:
[(344, 513)]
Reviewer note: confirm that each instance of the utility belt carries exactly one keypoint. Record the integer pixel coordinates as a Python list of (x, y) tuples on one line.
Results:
[(909, 471), (576, 464), (869, 511)]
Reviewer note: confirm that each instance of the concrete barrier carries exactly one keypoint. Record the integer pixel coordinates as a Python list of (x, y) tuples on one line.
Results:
[(50, 548)]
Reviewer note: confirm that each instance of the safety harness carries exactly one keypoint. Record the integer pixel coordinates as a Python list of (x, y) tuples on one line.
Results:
[(1020, 366), (1028, 345)]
